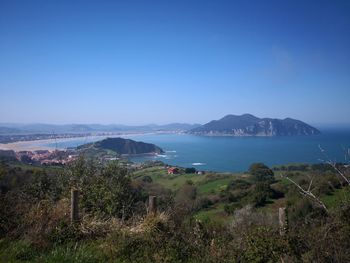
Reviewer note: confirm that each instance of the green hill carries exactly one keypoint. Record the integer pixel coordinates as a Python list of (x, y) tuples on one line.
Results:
[(122, 146)]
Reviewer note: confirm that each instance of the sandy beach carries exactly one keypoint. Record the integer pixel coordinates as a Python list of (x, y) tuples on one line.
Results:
[(44, 144), (35, 145)]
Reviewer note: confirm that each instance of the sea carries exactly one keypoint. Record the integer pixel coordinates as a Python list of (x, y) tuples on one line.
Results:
[(235, 154)]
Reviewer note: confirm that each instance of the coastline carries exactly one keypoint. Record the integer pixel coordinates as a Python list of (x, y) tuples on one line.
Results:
[(35, 145)]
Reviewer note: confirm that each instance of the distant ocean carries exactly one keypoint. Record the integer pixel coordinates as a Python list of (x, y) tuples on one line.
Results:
[(228, 154)]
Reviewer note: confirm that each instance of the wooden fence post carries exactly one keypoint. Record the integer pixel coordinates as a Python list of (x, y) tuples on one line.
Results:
[(74, 206), (282, 220), (152, 204)]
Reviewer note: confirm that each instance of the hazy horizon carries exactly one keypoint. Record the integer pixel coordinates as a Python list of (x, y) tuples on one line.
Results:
[(315, 124), (141, 62)]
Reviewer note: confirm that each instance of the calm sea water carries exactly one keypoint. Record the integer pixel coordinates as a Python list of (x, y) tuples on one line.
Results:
[(237, 153)]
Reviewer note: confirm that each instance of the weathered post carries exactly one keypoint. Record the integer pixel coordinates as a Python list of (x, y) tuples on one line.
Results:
[(282, 220), (74, 206), (152, 204)]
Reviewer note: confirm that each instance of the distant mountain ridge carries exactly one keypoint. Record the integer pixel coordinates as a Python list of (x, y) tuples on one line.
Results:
[(250, 125), (122, 146), (8, 128)]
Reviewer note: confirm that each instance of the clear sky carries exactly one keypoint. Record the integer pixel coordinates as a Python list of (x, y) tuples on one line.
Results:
[(137, 62)]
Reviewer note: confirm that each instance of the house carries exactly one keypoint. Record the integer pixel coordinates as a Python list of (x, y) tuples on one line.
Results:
[(173, 170)]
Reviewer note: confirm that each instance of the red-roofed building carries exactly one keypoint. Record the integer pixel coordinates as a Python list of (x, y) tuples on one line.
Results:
[(173, 170)]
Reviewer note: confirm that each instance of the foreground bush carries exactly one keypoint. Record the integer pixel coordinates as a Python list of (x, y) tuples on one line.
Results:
[(114, 226)]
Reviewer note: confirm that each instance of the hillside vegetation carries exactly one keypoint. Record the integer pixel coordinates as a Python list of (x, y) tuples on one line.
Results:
[(211, 217)]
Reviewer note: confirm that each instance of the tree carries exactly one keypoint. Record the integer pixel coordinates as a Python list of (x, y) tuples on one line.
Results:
[(261, 172)]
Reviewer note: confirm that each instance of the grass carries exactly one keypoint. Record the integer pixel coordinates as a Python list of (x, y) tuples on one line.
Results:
[(16, 251), (175, 182), (215, 213), (21, 251), (84, 253), (153, 172)]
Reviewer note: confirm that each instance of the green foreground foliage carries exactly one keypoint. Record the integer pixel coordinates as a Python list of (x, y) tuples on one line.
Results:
[(202, 218)]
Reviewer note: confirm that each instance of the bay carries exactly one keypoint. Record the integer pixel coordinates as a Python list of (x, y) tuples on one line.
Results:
[(232, 154)]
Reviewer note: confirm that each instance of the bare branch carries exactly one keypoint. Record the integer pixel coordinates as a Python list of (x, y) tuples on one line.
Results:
[(312, 179), (308, 193), (333, 164), (339, 172)]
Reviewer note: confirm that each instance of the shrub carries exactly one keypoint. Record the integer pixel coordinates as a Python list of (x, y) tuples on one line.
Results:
[(110, 193), (203, 203), (47, 222), (264, 244), (42, 186), (259, 199), (231, 208), (147, 179), (261, 193), (238, 184)]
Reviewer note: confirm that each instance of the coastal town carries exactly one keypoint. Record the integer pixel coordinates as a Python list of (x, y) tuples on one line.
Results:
[(41, 157), (46, 157), (65, 157)]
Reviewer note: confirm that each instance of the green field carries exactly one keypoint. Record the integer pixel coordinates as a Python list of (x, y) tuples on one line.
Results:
[(337, 197), (215, 213), (214, 186), (160, 176), (204, 182)]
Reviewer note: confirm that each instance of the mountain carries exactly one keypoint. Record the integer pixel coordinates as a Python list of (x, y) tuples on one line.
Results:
[(122, 146), (9, 130), (249, 125)]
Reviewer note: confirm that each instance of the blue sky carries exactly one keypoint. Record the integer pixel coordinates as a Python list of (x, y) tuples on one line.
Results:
[(137, 62)]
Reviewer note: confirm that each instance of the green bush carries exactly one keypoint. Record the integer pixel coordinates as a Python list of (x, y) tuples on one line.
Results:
[(262, 193), (264, 245), (109, 193)]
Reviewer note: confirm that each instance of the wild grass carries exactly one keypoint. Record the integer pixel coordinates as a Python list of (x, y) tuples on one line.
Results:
[(22, 251)]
